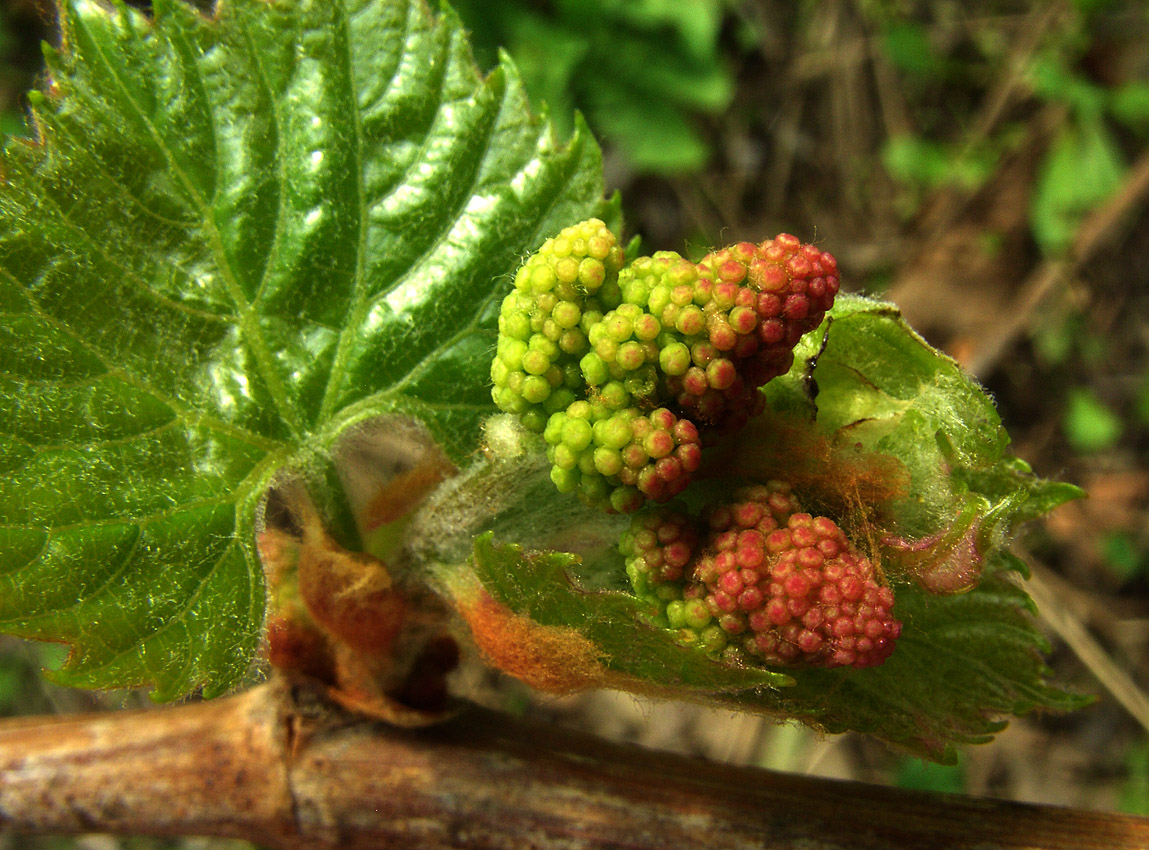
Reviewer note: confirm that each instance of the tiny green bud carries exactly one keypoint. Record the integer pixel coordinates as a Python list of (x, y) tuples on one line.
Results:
[(630, 356), (581, 410), (536, 389), (563, 457), (592, 489), (614, 396), (674, 359), (613, 433), (553, 433), (535, 362), (515, 326), (573, 341), (591, 273), (511, 352), (594, 369), (607, 461), (618, 327), (533, 419), (646, 327), (565, 480), (542, 278), (576, 434), (566, 270), (712, 638), (696, 614), (566, 314), (558, 400)]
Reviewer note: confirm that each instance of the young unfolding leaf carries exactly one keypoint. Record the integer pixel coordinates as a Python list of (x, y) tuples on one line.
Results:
[(604, 629), (234, 237)]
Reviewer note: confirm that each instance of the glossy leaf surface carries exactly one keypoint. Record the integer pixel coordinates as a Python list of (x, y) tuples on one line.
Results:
[(234, 237)]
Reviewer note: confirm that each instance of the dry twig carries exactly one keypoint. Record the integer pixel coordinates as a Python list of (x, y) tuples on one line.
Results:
[(274, 766)]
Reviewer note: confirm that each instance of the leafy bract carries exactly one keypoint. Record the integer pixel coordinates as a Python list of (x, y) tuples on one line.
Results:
[(884, 393), (636, 655), (905, 450), (234, 237)]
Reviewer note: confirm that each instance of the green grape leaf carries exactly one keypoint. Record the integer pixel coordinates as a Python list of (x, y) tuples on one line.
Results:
[(233, 238), (963, 664), (885, 391), (902, 448)]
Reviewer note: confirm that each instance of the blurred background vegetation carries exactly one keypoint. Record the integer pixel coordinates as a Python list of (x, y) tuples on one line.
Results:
[(984, 165)]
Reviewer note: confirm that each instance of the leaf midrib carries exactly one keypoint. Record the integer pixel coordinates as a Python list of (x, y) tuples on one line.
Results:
[(280, 162), (359, 300)]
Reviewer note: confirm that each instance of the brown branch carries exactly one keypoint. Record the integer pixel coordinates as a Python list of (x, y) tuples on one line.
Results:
[(276, 766)]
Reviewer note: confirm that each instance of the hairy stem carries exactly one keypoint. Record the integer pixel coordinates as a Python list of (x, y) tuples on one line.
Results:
[(278, 766)]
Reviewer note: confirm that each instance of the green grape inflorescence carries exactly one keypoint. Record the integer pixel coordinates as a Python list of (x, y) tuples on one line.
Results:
[(560, 295), (621, 458), (627, 370)]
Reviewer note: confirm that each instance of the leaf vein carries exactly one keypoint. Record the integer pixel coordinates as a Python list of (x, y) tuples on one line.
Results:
[(280, 165), (361, 303), (190, 415), (84, 149), (170, 622), (93, 592)]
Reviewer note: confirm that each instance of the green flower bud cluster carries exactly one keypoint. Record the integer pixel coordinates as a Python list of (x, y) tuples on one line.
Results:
[(624, 349), (661, 350), (560, 295), (700, 374), (618, 459), (659, 548)]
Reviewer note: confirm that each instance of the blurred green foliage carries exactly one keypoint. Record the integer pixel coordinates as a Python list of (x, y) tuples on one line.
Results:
[(1065, 337), (1141, 402), (1135, 793), (908, 47), (5, 72), (22, 686), (1086, 77), (11, 685), (12, 121), (922, 164), (919, 775), (932, 156), (1089, 424), (1085, 164), (1085, 161), (1124, 555), (640, 70)]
